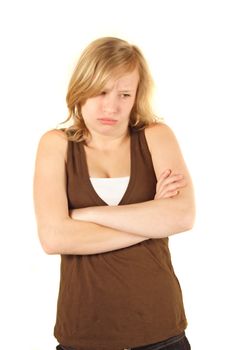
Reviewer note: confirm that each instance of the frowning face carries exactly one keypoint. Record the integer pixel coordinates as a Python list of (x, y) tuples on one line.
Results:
[(108, 113)]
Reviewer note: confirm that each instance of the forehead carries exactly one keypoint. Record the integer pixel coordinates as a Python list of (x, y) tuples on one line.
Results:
[(125, 81)]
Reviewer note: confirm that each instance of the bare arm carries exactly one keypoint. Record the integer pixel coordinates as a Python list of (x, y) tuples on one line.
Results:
[(156, 218), (58, 233)]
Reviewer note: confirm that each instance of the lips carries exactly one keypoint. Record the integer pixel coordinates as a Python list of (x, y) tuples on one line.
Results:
[(107, 121)]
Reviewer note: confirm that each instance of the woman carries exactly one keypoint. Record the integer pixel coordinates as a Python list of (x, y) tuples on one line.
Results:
[(108, 191)]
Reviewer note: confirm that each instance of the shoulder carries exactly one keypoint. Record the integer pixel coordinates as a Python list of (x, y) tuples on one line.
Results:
[(55, 141), (54, 136), (165, 150), (159, 134)]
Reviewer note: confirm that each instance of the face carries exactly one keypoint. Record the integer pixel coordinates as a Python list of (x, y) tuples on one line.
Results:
[(108, 113)]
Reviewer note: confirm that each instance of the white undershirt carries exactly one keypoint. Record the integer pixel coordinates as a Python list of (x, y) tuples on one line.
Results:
[(110, 189)]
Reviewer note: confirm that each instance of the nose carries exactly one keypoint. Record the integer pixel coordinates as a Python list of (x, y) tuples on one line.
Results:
[(110, 105)]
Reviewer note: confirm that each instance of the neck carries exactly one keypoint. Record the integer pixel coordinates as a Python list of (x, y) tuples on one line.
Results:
[(106, 142)]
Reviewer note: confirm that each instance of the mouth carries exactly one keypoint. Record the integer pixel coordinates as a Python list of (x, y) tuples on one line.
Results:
[(107, 121)]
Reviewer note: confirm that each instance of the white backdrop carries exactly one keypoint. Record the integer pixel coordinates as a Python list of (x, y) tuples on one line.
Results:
[(188, 45)]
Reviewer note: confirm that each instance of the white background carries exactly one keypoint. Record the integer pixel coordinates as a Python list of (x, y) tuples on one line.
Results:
[(188, 45)]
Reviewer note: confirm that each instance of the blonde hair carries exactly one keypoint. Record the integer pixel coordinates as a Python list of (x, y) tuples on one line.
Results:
[(102, 59)]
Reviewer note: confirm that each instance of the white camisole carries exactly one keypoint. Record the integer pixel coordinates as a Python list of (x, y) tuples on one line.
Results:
[(110, 189)]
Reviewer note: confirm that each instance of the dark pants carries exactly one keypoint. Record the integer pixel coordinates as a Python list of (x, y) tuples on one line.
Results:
[(179, 342)]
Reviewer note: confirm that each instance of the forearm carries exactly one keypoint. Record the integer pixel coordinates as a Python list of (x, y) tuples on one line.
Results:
[(154, 219), (82, 238)]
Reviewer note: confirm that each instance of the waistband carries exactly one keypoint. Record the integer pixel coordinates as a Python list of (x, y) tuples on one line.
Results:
[(160, 345), (154, 346)]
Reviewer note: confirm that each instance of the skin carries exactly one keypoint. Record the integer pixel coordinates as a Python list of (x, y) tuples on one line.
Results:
[(107, 114), (178, 209), (107, 228)]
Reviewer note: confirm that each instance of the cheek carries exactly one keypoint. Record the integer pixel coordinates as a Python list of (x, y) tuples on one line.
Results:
[(88, 109), (130, 106)]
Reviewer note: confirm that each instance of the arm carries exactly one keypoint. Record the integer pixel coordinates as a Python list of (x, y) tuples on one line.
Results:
[(58, 233), (156, 218)]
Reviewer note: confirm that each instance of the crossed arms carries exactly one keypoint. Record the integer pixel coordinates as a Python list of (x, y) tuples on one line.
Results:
[(101, 229)]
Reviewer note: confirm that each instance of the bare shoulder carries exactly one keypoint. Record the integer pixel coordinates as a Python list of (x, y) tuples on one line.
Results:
[(54, 135), (159, 133), (158, 130), (54, 140), (164, 148)]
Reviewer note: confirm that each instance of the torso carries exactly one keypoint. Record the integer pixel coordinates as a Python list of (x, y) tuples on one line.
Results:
[(111, 163), (99, 279)]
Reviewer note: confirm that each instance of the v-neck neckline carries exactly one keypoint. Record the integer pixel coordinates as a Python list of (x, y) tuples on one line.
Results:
[(86, 178)]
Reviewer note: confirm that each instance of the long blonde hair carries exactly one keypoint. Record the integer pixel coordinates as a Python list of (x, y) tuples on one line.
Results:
[(102, 59)]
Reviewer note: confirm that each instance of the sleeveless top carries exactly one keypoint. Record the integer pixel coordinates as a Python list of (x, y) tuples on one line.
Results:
[(124, 298)]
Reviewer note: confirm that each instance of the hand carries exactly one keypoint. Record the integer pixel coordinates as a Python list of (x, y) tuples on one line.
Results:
[(168, 184)]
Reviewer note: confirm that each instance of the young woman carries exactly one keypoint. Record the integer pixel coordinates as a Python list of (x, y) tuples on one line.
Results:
[(108, 191)]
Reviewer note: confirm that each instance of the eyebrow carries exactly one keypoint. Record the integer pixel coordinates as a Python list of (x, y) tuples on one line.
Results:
[(121, 90)]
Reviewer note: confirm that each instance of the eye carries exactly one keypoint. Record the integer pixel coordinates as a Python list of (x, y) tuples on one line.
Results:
[(103, 93), (125, 95)]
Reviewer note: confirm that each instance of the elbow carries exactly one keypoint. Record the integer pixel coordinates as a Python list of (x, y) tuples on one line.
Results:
[(48, 248), (188, 224), (48, 240), (188, 218)]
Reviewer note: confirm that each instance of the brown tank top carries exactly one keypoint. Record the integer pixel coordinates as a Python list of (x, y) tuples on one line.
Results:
[(124, 298)]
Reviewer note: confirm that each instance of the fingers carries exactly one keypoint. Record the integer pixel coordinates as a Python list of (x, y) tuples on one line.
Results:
[(171, 187), (169, 191), (168, 177), (167, 195), (173, 182), (164, 181), (165, 174), (168, 184)]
